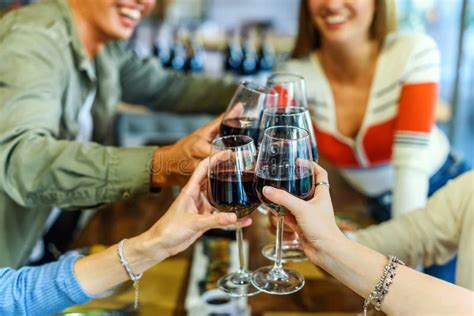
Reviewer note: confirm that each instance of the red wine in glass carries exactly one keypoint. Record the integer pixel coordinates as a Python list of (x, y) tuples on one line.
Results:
[(247, 126), (233, 192), (301, 186)]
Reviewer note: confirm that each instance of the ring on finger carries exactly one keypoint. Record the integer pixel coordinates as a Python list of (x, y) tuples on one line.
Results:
[(324, 183)]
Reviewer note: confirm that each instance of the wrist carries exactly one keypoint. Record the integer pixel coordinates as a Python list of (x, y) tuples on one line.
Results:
[(152, 248), (327, 247), (138, 254), (159, 168)]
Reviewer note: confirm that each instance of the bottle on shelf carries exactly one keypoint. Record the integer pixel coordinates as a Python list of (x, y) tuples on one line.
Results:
[(266, 55), (250, 57), (178, 61), (163, 47), (233, 53), (195, 54)]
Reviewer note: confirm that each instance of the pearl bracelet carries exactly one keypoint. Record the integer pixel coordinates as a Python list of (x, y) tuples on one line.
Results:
[(381, 288), (134, 277)]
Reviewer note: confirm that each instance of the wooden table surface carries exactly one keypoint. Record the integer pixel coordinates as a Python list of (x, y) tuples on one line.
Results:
[(319, 296)]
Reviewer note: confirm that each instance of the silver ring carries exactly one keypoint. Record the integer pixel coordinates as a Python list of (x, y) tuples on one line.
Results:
[(324, 183)]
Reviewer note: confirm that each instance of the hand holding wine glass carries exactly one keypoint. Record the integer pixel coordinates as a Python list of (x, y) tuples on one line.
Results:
[(187, 219), (175, 163), (313, 219)]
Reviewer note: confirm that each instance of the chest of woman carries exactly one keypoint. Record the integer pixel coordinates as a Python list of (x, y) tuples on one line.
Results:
[(350, 104)]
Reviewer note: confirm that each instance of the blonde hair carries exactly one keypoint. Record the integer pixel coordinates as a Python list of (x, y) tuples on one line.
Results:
[(309, 38)]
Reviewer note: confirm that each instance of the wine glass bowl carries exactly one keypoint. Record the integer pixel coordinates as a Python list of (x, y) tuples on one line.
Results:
[(231, 175), (289, 116), (242, 116), (290, 87)]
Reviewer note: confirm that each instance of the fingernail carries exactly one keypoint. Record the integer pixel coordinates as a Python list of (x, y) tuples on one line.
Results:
[(267, 190)]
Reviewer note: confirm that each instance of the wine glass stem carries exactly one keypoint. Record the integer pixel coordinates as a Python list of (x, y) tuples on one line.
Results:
[(279, 239), (240, 247)]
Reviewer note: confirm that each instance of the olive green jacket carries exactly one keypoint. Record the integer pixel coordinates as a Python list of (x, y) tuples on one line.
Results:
[(45, 77)]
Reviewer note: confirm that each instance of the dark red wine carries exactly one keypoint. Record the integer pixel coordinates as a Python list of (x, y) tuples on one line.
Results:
[(240, 126), (301, 186), (233, 192)]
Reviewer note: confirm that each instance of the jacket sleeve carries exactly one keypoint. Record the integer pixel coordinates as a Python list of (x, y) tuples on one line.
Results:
[(144, 81), (428, 235), (41, 290), (37, 168)]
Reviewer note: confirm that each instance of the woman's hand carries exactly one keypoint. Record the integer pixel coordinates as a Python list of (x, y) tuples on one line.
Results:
[(187, 219), (312, 220)]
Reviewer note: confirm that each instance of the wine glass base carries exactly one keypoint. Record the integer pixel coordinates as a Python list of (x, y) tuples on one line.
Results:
[(237, 285), (291, 252), (284, 283)]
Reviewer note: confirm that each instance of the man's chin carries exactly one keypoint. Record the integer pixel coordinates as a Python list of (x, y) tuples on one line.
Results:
[(122, 35)]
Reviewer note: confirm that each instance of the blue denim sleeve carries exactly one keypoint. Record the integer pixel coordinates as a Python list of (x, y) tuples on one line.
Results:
[(42, 290)]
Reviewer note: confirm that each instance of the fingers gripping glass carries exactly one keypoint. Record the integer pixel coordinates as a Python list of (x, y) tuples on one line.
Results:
[(231, 189), (283, 162)]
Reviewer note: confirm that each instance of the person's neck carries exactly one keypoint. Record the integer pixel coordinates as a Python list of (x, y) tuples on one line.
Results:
[(348, 62), (88, 34)]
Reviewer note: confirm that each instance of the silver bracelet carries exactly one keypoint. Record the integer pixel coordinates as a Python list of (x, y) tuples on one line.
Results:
[(134, 277), (381, 288)]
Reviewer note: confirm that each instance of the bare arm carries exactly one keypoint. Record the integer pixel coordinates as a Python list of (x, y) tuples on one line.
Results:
[(50, 288), (359, 267), (412, 292), (428, 235), (185, 221)]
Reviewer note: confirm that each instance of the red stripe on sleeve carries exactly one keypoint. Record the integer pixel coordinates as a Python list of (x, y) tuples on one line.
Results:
[(416, 111)]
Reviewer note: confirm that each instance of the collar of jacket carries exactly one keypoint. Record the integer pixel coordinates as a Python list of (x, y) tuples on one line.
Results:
[(81, 59)]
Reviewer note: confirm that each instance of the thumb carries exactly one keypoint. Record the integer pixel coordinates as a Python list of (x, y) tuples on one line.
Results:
[(216, 220), (283, 198), (201, 148)]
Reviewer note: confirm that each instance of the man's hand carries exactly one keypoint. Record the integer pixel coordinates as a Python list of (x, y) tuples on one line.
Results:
[(174, 164)]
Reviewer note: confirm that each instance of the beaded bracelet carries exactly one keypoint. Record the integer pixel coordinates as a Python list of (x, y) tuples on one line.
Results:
[(134, 277), (381, 288)]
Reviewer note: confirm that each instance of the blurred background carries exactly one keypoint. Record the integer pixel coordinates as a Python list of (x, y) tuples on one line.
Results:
[(248, 38)]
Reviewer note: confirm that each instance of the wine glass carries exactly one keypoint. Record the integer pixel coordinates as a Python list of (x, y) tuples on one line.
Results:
[(231, 189), (285, 162), (243, 113), (291, 110), (290, 87), (296, 116)]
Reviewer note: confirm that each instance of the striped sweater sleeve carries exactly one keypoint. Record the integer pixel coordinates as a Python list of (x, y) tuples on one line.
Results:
[(42, 290), (415, 120)]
